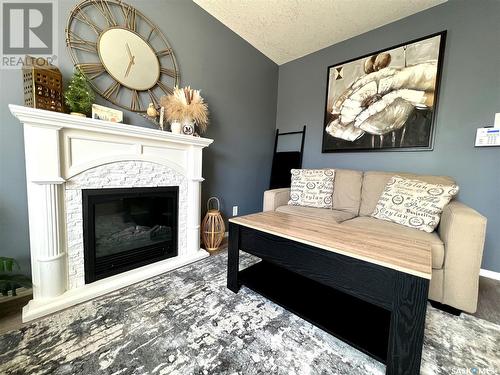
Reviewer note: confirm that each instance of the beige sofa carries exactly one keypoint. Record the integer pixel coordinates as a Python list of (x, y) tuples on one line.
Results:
[(457, 244)]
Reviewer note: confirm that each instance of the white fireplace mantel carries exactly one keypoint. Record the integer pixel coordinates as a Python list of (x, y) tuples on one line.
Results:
[(61, 148)]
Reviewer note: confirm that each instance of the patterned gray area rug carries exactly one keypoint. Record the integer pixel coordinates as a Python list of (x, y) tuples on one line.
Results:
[(187, 322)]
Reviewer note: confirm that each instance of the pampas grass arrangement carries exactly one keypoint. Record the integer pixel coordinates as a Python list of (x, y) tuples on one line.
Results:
[(185, 105)]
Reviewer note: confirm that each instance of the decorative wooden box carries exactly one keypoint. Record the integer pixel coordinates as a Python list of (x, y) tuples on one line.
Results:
[(43, 86)]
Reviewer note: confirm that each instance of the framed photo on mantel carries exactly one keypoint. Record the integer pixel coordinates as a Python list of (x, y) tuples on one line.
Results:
[(386, 100)]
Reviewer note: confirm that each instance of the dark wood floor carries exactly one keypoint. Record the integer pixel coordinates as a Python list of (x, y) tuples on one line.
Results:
[(488, 306), (10, 310)]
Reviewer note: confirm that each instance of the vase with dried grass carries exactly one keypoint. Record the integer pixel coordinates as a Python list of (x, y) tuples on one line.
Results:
[(185, 107)]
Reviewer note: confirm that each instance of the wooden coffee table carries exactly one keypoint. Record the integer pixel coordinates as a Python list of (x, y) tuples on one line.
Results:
[(364, 287)]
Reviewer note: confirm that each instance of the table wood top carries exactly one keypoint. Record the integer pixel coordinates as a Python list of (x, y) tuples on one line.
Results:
[(399, 253)]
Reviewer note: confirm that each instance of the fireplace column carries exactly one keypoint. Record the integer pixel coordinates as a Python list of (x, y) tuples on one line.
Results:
[(194, 192), (49, 246), (44, 187)]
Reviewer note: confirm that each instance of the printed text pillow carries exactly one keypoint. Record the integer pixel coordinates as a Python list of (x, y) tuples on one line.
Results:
[(312, 188), (414, 203)]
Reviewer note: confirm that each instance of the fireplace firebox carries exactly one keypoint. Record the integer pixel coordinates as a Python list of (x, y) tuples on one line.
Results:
[(127, 228)]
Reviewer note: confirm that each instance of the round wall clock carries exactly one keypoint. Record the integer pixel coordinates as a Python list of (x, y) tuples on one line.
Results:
[(124, 55)]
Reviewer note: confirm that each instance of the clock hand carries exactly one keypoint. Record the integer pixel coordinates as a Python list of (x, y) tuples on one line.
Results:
[(132, 59), (128, 51), (129, 67)]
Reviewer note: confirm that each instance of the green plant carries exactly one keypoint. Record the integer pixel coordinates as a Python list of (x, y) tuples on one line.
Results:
[(10, 281), (79, 97)]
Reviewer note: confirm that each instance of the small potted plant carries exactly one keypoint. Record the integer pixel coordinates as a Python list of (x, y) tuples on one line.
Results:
[(79, 97), (10, 281), (185, 109)]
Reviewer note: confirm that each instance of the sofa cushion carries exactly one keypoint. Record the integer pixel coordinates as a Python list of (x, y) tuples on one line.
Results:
[(393, 229), (312, 187), (347, 190), (317, 213), (374, 183), (414, 203)]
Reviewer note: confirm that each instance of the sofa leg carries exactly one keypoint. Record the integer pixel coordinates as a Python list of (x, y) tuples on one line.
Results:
[(445, 308)]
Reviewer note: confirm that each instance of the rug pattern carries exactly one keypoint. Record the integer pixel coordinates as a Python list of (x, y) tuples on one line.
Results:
[(188, 322)]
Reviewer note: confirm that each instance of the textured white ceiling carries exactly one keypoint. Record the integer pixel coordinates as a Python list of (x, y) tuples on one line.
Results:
[(284, 30)]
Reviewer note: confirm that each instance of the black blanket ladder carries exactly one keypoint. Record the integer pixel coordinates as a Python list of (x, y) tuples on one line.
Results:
[(284, 161)]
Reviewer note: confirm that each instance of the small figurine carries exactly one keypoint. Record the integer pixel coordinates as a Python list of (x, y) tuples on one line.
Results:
[(151, 111)]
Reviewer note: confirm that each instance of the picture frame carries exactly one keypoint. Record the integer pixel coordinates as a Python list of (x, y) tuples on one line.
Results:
[(387, 100), (100, 112)]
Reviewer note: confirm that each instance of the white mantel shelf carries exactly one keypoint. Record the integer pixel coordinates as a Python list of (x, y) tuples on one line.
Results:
[(40, 117), (65, 154)]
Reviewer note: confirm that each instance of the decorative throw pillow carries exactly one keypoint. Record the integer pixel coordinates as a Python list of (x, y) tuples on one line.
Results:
[(414, 203), (312, 188)]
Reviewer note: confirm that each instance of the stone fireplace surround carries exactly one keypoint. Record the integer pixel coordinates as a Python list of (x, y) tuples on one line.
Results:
[(65, 154), (124, 174)]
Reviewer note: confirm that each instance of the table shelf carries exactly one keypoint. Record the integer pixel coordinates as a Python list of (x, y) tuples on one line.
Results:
[(356, 322)]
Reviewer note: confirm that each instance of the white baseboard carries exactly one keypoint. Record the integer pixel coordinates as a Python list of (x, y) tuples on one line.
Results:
[(490, 274)]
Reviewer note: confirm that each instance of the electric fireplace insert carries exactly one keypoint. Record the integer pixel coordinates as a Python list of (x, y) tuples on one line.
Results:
[(127, 228)]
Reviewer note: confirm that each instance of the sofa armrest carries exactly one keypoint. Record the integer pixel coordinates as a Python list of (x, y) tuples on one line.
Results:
[(463, 231), (275, 198)]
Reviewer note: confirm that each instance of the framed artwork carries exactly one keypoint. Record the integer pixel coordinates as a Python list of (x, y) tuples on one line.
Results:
[(386, 100)]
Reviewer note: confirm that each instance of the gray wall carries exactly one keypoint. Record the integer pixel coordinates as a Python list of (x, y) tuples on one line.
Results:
[(469, 98), (238, 82)]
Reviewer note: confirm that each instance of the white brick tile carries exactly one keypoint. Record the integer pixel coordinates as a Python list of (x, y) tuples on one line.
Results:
[(114, 175)]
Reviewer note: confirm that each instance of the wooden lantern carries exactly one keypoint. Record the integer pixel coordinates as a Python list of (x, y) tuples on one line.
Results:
[(43, 85), (212, 227)]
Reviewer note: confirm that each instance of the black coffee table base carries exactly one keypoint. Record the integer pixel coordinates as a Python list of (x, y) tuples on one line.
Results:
[(375, 309)]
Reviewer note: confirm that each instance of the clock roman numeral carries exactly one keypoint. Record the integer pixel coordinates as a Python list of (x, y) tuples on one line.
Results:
[(112, 91), (152, 34), (169, 72), (129, 15), (103, 8), (91, 70), (164, 52), (154, 98), (135, 104), (167, 90), (83, 17), (75, 41)]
